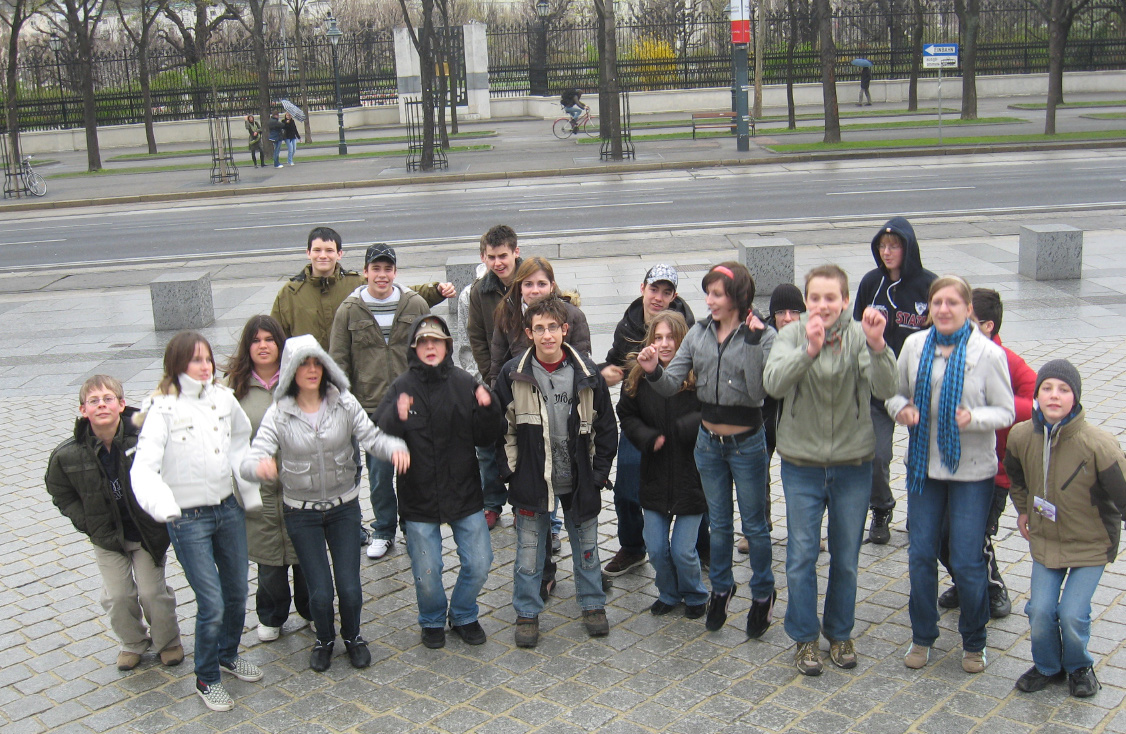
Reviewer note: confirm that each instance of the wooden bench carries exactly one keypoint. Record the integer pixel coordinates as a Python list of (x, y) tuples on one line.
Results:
[(717, 120)]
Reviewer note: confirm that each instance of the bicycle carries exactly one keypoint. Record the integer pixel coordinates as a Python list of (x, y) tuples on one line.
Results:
[(587, 123), (33, 183)]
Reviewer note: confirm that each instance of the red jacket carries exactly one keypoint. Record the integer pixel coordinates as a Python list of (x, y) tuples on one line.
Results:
[(1023, 380)]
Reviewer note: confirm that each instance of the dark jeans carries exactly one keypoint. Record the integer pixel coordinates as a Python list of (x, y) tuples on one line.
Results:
[(272, 600), (627, 488), (338, 529), (496, 494), (881, 497), (1000, 496)]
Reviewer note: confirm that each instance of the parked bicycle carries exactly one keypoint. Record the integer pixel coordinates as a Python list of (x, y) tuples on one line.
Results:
[(565, 127), (33, 183)]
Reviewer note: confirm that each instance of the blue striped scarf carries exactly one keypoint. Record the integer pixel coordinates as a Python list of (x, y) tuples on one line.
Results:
[(949, 441)]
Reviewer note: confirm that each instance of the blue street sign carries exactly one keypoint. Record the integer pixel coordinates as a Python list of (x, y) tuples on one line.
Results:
[(940, 49)]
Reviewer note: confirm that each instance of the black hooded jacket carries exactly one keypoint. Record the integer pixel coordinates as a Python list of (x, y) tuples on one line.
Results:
[(903, 301), (630, 331), (442, 431)]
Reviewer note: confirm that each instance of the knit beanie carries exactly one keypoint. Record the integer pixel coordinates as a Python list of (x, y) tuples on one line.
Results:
[(786, 297), (1063, 370)]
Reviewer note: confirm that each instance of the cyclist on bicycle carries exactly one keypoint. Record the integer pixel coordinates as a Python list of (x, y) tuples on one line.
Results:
[(573, 106)]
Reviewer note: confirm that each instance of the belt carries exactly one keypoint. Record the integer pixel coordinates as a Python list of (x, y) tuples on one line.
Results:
[(322, 505), (733, 438)]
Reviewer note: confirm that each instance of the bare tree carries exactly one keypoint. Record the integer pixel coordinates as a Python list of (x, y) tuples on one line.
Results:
[(609, 102), (1060, 15), (254, 21), (828, 70), (969, 22), (423, 41), (297, 7), (194, 27), (13, 15), (917, 28), (144, 13), (79, 20)]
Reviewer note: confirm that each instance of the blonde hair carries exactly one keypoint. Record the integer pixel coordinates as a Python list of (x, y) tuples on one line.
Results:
[(100, 382), (961, 286), (679, 328)]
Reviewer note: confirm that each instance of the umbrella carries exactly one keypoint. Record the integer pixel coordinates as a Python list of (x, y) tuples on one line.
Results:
[(294, 110), (855, 62)]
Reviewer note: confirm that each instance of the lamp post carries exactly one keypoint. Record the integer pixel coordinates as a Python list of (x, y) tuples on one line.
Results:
[(56, 45), (537, 74), (334, 35)]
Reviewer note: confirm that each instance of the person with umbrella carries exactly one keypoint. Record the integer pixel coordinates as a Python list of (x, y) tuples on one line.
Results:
[(291, 136), (276, 131), (865, 80)]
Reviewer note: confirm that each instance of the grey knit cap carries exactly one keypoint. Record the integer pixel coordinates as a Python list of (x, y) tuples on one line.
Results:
[(1063, 370)]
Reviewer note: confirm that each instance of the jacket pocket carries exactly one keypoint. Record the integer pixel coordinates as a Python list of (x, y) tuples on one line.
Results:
[(345, 462), (297, 475)]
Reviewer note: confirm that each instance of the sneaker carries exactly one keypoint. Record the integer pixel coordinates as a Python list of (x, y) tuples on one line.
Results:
[(470, 633), (760, 616), (527, 631), (242, 669), (378, 548), (974, 662), (879, 533), (717, 609), (743, 546), (596, 622), (127, 660), (695, 611), (659, 608), (949, 598), (807, 658), (842, 653), (622, 562), (358, 653), (917, 656), (491, 518), (214, 695), (320, 659), (291, 163), (278, 166), (556, 544), (1033, 680), (434, 637), (999, 604), (266, 633), (1082, 683), (172, 656)]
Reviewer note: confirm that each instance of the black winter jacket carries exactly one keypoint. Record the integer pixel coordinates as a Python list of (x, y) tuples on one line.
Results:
[(591, 428), (80, 489), (670, 483), (443, 428), (630, 331)]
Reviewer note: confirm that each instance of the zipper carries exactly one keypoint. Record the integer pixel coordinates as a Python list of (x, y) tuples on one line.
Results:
[(1074, 474)]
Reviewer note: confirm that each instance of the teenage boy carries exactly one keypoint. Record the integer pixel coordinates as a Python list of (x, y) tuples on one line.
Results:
[(307, 303), (898, 286), (560, 443), (658, 293), (442, 413), (500, 253), (88, 478), (988, 310), (369, 339)]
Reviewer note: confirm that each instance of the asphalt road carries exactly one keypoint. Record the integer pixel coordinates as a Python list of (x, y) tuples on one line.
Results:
[(572, 206)]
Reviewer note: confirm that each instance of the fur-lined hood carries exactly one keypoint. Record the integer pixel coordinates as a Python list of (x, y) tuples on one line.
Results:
[(297, 350)]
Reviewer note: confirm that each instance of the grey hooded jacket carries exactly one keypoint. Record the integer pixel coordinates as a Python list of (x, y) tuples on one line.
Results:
[(315, 465)]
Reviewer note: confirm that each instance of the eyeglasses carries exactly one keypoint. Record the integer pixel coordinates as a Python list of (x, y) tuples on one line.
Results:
[(550, 329), (95, 402), (889, 246)]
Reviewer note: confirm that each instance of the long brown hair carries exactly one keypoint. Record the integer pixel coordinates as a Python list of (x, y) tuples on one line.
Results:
[(509, 315), (177, 356), (679, 328), (738, 285), (240, 366)]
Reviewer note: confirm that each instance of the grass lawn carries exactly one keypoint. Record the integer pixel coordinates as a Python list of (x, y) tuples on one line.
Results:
[(312, 146)]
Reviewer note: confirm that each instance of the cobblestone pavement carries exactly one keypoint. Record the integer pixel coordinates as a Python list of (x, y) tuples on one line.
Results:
[(651, 674)]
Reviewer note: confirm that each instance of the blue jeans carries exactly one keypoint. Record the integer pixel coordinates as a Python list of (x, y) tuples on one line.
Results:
[(424, 544), (533, 535), (277, 146), (339, 529), (574, 111), (968, 505), (1061, 625), (810, 490), (210, 544), (291, 148), (496, 494), (627, 488), (381, 480), (676, 562), (742, 461)]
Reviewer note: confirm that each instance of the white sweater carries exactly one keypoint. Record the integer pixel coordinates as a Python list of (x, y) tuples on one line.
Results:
[(190, 446)]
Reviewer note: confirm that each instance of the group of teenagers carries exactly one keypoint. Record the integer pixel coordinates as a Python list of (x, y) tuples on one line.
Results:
[(264, 464)]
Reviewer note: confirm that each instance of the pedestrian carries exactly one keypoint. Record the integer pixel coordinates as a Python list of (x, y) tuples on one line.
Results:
[(253, 374), (664, 429), (865, 82), (1070, 496), (291, 136), (88, 479), (193, 438), (305, 442), (443, 414), (898, 286), (953, 395), (276, 133), (254, 135), (560, 443), (728, 357), (821, 369)]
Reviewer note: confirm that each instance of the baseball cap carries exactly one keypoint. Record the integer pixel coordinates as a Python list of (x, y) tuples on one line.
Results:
[(659, 272), (430, 327), (380, 251)]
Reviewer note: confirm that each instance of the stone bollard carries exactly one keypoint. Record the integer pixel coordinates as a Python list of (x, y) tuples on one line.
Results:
[(771, 262), (1050, 252), (182, 300)]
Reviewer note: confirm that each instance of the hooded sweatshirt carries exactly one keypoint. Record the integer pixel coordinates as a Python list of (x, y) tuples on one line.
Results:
[(904, 301)]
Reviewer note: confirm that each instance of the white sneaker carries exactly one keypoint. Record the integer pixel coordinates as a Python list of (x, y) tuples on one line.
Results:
[(379, 548), (291, 163), (267, 633)]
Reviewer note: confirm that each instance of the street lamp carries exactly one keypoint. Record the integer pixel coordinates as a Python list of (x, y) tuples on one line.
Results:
[(537, 74), (334, 35), (56, 45)]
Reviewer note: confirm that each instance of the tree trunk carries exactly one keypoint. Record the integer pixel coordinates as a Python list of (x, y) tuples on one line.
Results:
[(146, 89), (969, 14), (828, 71), (609, 102), (12, 97), (916, 54), (426, 67), (791, 117), (1057, 38), (262, 61)]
